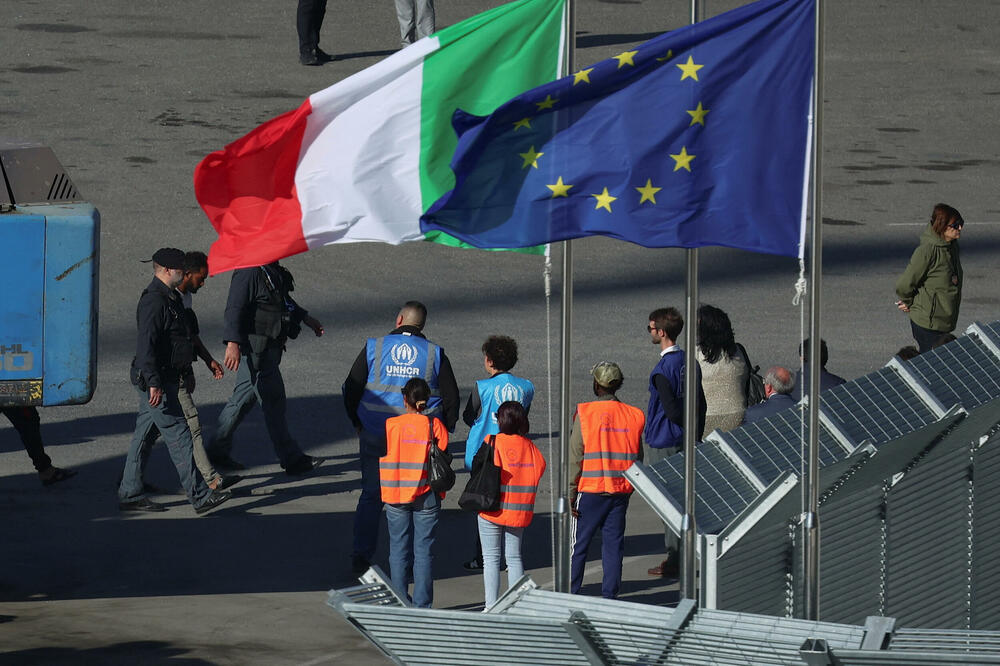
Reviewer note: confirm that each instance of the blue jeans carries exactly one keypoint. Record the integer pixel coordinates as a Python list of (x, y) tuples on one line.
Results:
[(168, 419), (490, 534), (371, 448), (258, 378), (411, 539), (606, 512)]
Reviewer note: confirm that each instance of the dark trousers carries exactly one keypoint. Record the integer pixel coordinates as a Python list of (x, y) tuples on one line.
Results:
[(607, 513), (308, 21), (925, 337), (27, 424)]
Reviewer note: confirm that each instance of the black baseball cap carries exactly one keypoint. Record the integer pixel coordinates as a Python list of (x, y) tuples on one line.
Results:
[(169, 257)]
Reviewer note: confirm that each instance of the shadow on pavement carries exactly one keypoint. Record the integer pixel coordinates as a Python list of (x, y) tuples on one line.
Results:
[(149, 653)]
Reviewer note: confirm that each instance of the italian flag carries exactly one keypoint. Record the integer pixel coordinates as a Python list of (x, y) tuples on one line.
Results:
[(363, 159)]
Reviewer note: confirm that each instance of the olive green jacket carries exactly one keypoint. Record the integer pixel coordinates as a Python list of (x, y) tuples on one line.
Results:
[(932, 283)]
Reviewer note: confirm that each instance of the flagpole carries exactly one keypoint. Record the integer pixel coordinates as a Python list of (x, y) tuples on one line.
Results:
[(811, 523), (688, 528), (564, 545)]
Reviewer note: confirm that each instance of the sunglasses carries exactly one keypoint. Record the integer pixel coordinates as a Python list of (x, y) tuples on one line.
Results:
[(955, 225)]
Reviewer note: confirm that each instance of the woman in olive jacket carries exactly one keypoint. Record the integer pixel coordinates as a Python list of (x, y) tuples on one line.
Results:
[(930, 289)]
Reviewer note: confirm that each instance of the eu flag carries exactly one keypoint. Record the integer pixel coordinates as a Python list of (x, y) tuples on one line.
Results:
[(697, 137)]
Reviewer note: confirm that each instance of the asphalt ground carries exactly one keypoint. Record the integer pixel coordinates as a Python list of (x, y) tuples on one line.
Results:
[(132, 95)]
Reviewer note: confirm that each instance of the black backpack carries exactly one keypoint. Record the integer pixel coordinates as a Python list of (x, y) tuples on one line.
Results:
[(754, 388)]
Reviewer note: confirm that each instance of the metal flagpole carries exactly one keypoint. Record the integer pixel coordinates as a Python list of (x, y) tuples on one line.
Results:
[(564, 546), (811, 523), (688, 529)]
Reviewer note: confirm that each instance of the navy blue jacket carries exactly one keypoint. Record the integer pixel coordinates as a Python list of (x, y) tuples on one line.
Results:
[(776, 403)]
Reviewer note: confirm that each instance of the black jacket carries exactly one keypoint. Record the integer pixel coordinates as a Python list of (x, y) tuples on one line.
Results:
[(164, 344), (251, 291)]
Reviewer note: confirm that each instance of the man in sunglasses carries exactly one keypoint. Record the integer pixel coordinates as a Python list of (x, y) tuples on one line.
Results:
[(664, 431)]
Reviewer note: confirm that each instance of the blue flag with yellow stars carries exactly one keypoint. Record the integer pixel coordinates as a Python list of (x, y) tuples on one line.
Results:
[(697, 137)]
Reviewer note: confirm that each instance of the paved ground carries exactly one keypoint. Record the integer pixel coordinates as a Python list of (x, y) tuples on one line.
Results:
[(132, 95)]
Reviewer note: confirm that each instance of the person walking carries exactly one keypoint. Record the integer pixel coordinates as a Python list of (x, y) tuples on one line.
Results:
[(606, 439), (521, 468), (261, 316), (164, 348), (308, 21), (930, 289), (411, 507), (29, 428), (371, 395), (480, 414)]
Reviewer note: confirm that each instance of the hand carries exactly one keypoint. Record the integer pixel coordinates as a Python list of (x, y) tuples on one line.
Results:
[(902, 306), (232, 357), (215, 367), (155, 396), (575, 512), (314, 324)]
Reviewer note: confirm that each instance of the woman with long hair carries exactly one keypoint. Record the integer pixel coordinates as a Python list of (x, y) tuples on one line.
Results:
[(411, 507), (930, 289), (723, 371)]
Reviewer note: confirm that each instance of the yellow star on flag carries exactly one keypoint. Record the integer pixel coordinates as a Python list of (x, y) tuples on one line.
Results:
[(683, 160), (582, 75), (526, 122), (690, 69), (698, 115), (531, 158), (670, 54), (604, 200), (548, 103), (648, 192), (625, 58), (560, 189)]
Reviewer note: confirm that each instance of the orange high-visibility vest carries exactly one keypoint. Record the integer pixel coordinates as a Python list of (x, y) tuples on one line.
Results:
[(403, 468), (612, 434), (521, 467)]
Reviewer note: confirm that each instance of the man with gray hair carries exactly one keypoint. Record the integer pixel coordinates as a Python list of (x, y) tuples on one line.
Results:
[(373, 393), (778, 384)]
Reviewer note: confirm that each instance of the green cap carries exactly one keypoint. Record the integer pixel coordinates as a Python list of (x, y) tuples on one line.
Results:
[(607, 373)]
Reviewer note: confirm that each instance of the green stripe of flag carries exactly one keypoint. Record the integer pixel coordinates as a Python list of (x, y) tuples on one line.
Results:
[(481, 63)]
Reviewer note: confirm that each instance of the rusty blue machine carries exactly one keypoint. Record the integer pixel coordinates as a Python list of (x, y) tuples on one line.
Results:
[(49, 257)]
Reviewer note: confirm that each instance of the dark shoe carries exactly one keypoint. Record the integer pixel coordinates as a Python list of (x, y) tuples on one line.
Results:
[(228, 481), (214, 500), (55, 475), (150, 489), (144, 504), (303, 465), (311, 60), (476, 564), (226, 462), (324, 56), (668, 568), (359, 564)]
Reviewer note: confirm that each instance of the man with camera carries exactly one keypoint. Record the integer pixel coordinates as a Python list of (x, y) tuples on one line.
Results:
[(260, 317)]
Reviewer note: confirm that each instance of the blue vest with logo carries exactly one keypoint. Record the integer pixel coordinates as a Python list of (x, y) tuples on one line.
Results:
[(661, 432), (493, 392), (394, 360)]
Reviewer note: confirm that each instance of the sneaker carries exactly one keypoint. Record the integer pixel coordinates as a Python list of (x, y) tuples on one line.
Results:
[(228, 481), (214, 500)]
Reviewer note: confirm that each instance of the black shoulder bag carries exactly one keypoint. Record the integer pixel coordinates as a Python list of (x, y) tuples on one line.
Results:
[(482, 492), (440, 475)]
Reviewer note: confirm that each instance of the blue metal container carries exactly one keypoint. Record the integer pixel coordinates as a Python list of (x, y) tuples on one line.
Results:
[(49, 251)]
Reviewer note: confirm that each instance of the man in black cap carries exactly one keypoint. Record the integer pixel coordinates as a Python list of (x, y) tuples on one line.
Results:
[(260, 317), (164, 348)]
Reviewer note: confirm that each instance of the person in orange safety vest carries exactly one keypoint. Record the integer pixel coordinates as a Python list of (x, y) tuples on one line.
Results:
[(411, 508), (521, 467), (606, 439)]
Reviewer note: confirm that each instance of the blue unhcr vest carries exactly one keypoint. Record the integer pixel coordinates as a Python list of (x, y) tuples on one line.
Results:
[(493, 392), (661, 432), (394, 360)]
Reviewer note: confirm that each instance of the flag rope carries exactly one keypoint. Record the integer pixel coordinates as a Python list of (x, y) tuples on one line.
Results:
[(547, 272)]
